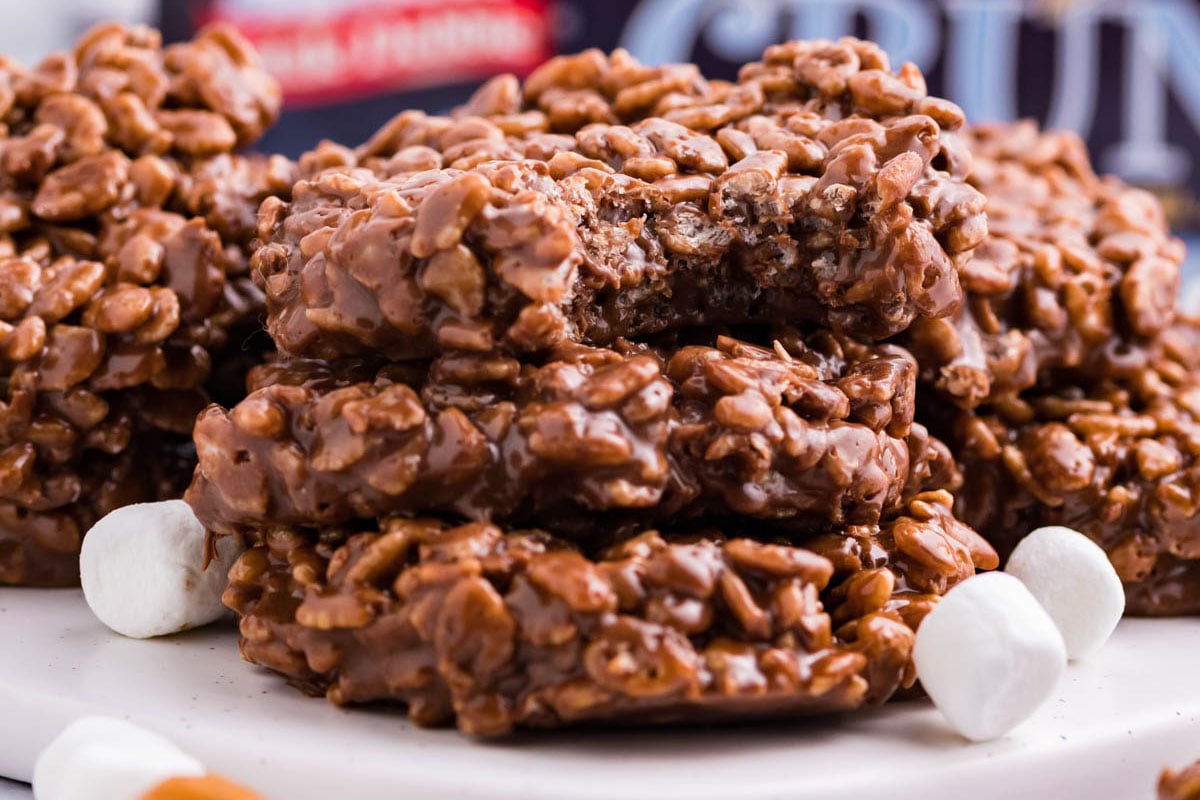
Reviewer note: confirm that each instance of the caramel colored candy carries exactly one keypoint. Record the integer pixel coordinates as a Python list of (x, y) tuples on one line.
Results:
[(209, 787)]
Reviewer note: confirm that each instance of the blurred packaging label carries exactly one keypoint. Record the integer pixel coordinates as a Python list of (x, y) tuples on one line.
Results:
[(340, 51), (1125, 74)]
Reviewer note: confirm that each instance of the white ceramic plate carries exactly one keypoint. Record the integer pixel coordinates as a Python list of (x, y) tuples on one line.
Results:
[(1115, 722)]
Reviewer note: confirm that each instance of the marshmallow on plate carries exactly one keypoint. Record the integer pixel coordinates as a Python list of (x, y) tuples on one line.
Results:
[(988, 655), (142, 570), (108, 759), (1073, 579)]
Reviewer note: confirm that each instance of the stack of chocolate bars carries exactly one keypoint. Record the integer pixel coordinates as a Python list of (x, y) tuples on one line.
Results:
[(619, 394)]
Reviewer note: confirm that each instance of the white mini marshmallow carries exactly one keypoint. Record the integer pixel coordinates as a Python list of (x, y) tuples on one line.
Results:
[(141, 570), (988, 655), (1075, 582), (107, 759)]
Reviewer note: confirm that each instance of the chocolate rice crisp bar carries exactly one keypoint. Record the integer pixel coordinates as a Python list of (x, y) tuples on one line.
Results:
[(828, 189), (117, 288), (1076, 270), (820, 437), (497, 630), (1063, 385), (1114, 457)]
